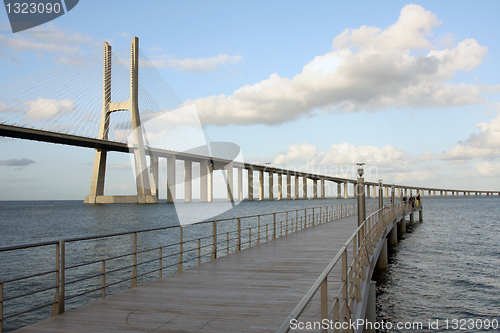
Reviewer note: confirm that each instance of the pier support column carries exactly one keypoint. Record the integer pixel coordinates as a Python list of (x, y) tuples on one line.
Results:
[(188, 177), (421, 215), (354, 190), (250, 184), (296, 187), (368, 191), (386, 195), (261, 185), (229, 180), (153, 176), (315, 189), (271, 185), (412, 220), (393, 235), (322, 188), (171, 179), (345, 190), (402, 226), (304, 187), (240, 184), (288, 186), (204, 180), (280, 190), (383, 257), (339, 190), (374, 195), (371, 308)]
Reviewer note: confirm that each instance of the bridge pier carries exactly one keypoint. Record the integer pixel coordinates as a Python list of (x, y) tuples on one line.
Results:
[(228, 168), (383, 256), (280, 182), (315, 189), (402, 226), (188, 178), (296, 187), (153, 176), (271, 185), (288, 186), (393, 235), (171, 179), (304, 188), (339, 190), (250, 184), (261, 185), (412, 220), (323, 188), (240, 184)]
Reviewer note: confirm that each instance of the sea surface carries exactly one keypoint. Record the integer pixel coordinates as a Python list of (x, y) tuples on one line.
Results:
[(445, 273), (446, 268)]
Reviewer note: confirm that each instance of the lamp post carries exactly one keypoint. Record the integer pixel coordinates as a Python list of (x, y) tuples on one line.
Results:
[(360, 191), (380, 195)]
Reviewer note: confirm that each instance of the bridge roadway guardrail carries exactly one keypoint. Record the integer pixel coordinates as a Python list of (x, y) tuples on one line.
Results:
[(38, 280), (346, 302)]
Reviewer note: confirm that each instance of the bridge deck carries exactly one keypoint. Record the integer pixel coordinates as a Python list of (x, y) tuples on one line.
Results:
[(248, 291)]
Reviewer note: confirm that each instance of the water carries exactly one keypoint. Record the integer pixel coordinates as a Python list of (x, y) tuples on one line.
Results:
[(447, 270)]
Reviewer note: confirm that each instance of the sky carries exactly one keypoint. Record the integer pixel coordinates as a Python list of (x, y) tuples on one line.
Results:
[(410, 89)]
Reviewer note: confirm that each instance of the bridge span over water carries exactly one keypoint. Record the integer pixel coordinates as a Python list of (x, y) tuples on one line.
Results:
[(72, 124)]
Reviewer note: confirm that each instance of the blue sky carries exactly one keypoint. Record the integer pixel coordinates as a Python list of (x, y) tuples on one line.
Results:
[(410, 89)]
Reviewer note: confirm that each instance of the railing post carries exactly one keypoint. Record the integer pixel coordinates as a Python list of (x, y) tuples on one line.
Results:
[(324, 299), (62, 288), (103, 278), (305, 217), (133, 283), (313, 217), (250, 237), (227, 242), (1, 307), (274, 225), (55, 306), (214, 240), (161, 262), (344, 284), (286, 224), (267, 232), (199, 251), (258, 230), (181, 250), (238, 241)]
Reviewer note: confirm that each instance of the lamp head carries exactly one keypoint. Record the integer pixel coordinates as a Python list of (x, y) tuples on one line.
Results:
[(360, 169)]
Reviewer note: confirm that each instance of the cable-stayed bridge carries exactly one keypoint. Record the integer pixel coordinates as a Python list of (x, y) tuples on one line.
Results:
[(117, 101)]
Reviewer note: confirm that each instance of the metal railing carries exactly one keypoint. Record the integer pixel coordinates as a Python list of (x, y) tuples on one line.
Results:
[(87, 268), (363, 241)]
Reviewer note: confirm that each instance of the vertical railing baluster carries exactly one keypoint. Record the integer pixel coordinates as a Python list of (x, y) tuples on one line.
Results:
[(160, 259), (181, 250), (103, 278), (313, 217), (286, 224), (281, 228), (274, 225), (238, 241), (199, 251), (55, 306), (62, 288), (258, 230), (214, 240), (267, 233), (133, 283), (227, 242), (344, 285), (250, 237), (324, 299), (1, 307)]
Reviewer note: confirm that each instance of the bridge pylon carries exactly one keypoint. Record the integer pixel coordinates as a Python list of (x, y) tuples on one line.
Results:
[(144, 193)]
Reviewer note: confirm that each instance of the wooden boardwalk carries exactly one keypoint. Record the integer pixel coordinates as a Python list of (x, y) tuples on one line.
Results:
[(248, 291)]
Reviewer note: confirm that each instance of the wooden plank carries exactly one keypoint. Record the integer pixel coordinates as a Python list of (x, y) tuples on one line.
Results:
[(247, 291)]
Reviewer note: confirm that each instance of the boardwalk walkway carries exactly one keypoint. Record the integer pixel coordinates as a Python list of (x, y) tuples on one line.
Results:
[(248, 291)]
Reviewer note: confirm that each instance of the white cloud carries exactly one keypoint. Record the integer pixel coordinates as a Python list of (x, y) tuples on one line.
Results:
[(368, 69), (44, 108), (485, 144), (199, 65), (49, 39), (427, 156), (488, 169)]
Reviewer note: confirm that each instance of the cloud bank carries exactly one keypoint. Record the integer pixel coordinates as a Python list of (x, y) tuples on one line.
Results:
[(368, 69)]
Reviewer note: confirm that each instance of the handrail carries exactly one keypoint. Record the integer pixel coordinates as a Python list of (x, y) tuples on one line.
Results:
[(320, 281)]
